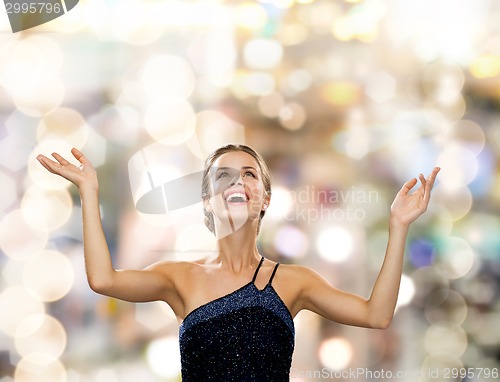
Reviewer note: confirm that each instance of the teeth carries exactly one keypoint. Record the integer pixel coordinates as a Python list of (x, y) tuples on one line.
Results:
[(237, 197)]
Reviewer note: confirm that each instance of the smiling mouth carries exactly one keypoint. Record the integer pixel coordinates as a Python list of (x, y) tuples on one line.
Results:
[(236, 197)]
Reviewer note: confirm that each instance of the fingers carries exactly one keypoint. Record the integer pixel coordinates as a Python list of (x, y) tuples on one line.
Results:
[(60, 159), (430, 182), (50, 165), (408, 186)]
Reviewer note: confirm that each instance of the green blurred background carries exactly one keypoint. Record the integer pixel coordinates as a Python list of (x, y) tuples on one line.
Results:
[(346, 100)]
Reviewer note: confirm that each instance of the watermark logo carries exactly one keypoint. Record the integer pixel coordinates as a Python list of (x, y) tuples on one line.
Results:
[(26, 14)]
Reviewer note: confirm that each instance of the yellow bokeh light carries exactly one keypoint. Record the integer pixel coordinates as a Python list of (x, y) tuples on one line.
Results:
[(49, 274), (342, 93), (18, 239), (17, 303), (487, 66), (46, 209)]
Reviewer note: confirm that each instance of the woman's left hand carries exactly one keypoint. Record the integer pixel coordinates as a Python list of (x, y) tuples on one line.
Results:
[(407, 207)]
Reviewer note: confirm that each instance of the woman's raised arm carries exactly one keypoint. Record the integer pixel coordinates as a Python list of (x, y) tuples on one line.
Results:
[(152, 283)]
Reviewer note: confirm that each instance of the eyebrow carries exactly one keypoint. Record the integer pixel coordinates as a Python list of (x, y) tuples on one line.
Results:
[(243, 168)]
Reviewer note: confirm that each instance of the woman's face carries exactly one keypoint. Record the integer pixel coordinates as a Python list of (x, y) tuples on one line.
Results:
[(237, 192)]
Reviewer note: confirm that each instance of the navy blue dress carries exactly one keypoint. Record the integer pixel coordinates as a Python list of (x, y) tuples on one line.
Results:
[(244, 336)]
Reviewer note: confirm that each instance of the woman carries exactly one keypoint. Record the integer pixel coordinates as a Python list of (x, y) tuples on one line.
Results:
[(236, 307)]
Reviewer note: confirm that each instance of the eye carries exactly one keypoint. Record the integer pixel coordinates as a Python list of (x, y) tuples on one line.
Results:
[(250, 173), (222, 174)]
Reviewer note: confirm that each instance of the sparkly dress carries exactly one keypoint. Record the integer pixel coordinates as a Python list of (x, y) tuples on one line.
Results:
[(246, 335)]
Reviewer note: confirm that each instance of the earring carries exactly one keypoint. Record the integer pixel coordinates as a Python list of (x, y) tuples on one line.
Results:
[(208, 208)]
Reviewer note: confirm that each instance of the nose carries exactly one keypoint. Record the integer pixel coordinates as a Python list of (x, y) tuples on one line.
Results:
[(237, 180)]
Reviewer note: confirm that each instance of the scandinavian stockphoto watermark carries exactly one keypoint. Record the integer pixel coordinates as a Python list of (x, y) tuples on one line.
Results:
[(26, 14), (310, 204), (368, 375)]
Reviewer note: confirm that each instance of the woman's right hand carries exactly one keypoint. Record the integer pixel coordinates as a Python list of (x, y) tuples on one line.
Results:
[(82, 176)]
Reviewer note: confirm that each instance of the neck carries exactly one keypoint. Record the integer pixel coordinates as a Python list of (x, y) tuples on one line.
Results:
[(238, 251)]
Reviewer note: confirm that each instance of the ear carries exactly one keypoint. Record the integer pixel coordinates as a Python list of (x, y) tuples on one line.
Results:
[(207, 205), (267, 200)]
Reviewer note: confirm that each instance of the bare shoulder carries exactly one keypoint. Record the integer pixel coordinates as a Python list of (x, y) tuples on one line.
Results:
[(299, 273)]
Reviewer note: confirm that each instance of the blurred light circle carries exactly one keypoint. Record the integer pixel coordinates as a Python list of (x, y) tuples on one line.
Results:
[(443, 338), (427, 281), (455, 257), (250, 16), (29, 60), (18, 239), (41, 334), (292, 116), (440, 362), (46, 209), (161, 349), (39, 98), (187, 248), (341, 93), (292, 34), (459, 166), (298, 81), (485, 66), (38, 368), (262, 53), (271, 104), (50, 274), (8, 194), (167, 76), (335, 353), (457, 202), (406, 291), (214, 129), (335, 244), (444, 114), (63, 124), (291, 241), (17, 303), (488, 333), (281, 203), (381, 87), (170, 121), (259, 84), (135, 23), (39, 174), (442, 83), (466, 134), (446, 305)]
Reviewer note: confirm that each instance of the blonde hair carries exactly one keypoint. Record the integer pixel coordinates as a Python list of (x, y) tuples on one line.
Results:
[(205, 186)]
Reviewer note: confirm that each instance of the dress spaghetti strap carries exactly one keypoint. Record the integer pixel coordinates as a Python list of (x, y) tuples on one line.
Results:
[(274, 272), (257, 270)]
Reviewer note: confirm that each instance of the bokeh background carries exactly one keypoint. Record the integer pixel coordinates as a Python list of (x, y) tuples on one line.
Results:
[(345, 99)]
